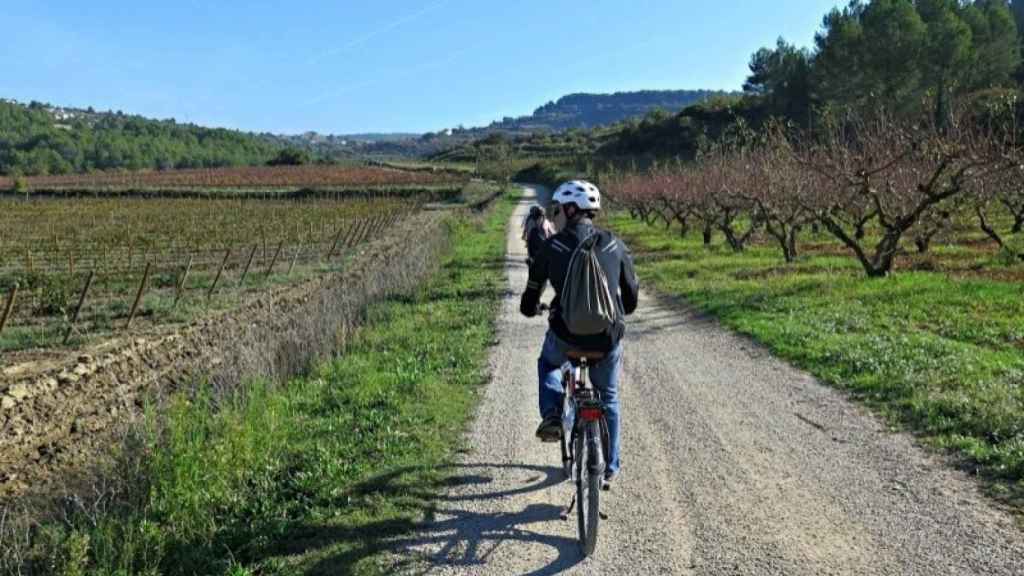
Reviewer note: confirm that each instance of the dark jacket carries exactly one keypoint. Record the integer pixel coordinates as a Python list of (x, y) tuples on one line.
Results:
[(552, 264), (535, 242)]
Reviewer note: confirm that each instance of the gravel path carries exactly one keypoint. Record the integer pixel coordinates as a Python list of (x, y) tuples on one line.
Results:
[(733, 463)]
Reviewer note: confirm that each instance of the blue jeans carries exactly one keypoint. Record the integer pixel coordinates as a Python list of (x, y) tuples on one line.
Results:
[(604, 376)]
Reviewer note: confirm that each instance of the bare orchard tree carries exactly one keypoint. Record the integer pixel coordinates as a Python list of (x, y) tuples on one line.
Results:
[(1000, 198), (662, 195), (659, 194), (899, 172), (675, 202), (1012, 199), (697, 192), (730, 179), (627, 189), (780, 191)]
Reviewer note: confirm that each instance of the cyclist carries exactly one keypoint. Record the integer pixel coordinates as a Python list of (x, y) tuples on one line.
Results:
[(536, 230), (576, 204)]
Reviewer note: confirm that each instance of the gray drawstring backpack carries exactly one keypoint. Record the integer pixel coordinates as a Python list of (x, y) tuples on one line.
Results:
[(586, 303)]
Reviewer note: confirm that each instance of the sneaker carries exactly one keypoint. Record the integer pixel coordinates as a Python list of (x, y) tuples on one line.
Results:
[(550, 430), (606, 482)]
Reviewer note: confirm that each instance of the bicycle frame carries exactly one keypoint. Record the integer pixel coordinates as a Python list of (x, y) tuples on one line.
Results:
[(581, 403), (584, 431)]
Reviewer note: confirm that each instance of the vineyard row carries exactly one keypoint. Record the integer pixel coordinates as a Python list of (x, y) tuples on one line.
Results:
[(309, 176), (49, 288)]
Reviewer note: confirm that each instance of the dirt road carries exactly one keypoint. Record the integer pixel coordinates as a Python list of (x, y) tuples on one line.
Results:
[(733, 463)]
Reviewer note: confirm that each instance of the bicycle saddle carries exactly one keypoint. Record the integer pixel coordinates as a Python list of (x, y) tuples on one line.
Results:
[(589, 355)]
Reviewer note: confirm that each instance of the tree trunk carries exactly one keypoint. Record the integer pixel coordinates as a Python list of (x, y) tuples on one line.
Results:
[(684, 228), (790, 251), (786, 243), (987, 229), (876, 267), (885, 254), (860, 233), (734, 242), (874, 271), (943, 112), (666, 213), (707, 232), (786, 237)]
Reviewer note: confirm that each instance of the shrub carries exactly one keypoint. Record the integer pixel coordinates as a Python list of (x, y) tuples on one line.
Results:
[(20, 185), (291, 157)]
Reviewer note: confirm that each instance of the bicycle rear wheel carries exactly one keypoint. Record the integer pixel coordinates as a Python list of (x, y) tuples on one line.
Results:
[(588, 485)]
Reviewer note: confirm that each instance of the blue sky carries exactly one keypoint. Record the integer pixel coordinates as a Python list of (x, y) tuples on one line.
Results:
[(386, 65)]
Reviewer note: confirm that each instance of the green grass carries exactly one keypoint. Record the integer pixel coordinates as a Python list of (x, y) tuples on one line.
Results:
[(314, 476), (939, 355)]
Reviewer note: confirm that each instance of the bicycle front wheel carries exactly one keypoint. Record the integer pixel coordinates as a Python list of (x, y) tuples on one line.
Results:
[(588, 485)]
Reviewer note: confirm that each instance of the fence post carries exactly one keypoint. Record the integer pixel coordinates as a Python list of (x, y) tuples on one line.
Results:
[(364, 226), (335, 245), (350, 229), (245, 272), (9, 307), (351, 240), (181, 283), (274, 259), (220, 271), (78, 309), (295, 258), (138, 297)]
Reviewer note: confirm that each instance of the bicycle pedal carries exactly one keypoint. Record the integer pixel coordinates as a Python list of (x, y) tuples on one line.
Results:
[(603, 515)]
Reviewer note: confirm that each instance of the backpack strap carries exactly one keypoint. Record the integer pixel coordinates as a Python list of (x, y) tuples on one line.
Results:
[(590, 241)]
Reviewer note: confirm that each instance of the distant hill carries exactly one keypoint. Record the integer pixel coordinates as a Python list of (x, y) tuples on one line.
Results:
[(582, 125), (381, 136), (354, 146), (592, 110), (38, 138)]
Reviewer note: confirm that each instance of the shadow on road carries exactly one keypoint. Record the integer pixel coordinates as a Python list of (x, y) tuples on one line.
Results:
[(450, 535)]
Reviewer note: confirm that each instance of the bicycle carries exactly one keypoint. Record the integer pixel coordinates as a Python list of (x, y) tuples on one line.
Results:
[(584, 445)]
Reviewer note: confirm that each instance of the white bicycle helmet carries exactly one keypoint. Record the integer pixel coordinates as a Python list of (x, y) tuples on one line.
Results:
[(579, 192)]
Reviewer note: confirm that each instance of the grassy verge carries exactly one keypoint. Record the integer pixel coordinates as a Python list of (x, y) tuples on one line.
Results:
[(940, 355), (312, 477)]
